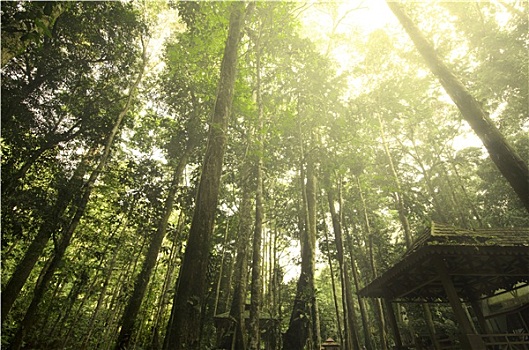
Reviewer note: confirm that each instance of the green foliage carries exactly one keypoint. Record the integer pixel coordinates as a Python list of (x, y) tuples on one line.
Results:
[(70, 72)]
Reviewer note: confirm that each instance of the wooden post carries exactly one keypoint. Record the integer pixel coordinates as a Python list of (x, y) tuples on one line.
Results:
[(485, 328), (470, 340), (393, 324), (431, 326)]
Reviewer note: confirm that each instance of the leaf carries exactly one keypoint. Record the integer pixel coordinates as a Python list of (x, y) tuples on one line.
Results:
[(31, 36), (48, 8), (43, 27)]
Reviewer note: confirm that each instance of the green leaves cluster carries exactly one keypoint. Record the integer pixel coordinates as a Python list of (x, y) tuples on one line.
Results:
[(69, 72)]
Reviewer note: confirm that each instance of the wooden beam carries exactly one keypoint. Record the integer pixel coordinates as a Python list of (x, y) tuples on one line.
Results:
[(474, 303), (393, 324), (469, 339), (409, 291)]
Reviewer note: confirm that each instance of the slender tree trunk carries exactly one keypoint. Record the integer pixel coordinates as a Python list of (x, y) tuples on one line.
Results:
[(241, 263), (270, 265), (58, 288), (405, 225), (221, 267), (76, 317), (459, 204), (102, 293), (168, 280), (464, 203), (147, 314), (398, 193), (333, 285), (275, 306), (312, 233), (442, 208), (378, 304), (508, 162), (29, 318), (439, 209), (265, 263), (302, 328), (111, 308), (183, 332), (347, 338), (254, 329), (228, 283), (469, 201), (115, 306), (352, 329), (50, 226), (363, 313), (254, 334), (109, 271), (128, 319)]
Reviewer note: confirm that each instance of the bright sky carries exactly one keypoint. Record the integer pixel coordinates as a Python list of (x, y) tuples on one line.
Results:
[(348, 19), (357, 19)]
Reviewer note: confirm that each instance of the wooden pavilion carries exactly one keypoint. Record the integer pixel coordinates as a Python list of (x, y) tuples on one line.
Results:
[(447, 264)]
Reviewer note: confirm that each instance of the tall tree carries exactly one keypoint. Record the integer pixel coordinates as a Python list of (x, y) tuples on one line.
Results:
[(51, 225), (189, 296), (510, 164), (130, 314), (49, 115), (352, 328), (302, 329), (238, 304), (255, 331), (68, 232)]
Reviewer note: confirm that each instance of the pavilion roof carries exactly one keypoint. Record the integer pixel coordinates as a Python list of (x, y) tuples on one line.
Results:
[(480, 262)]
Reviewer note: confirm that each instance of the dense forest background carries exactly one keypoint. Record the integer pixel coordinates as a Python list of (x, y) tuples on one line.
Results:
[(163, 163)]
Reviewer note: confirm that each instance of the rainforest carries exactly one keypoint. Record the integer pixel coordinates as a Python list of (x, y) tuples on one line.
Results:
[(265, 175)]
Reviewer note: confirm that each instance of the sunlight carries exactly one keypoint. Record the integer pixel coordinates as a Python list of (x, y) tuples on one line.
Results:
[(336, 25), (466, 140), (167, 164)]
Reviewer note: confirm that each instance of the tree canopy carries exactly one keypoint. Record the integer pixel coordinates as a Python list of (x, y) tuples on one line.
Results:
[(167, 163)]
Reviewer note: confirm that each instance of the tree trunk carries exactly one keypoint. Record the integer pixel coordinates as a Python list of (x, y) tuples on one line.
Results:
[(363, 313), (311, 240), (254, 330), (438, 207), (50, 226), (183, 333), (398, 193), (95, 313), (77, 316), (352, 328), (168, 281), (378, 304), (333, 285), (241, 263), (111, 308), (254, 334), (128, 319), (509, 163), (302, 328), (29, 318), (467, 198), (227, 238)]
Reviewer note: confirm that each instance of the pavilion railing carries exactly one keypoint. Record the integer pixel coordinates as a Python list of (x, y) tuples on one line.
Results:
[(507, 341)]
